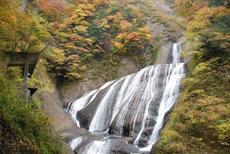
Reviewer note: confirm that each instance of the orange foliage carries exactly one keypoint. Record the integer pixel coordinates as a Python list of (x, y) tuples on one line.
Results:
[(94, 2), (111, 21), (52, 7), (134, 36), (125, 25)]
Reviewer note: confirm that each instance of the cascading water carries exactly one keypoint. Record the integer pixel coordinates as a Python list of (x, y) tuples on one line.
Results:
[(127, 115)]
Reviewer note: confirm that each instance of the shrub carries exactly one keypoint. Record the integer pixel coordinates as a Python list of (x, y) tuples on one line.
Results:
[(23, 127)]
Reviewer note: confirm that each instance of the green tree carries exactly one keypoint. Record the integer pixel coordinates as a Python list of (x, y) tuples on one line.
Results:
[(219, 3)]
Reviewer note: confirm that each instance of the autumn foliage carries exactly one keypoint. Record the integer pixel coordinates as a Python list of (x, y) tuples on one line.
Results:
[(19, 31), (210, 27), (96, 29), (52, 8)]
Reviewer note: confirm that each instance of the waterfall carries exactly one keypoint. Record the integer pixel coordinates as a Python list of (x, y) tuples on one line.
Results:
[(127, 115)]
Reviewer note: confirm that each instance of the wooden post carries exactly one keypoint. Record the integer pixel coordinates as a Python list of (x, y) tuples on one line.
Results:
[(25, 77)]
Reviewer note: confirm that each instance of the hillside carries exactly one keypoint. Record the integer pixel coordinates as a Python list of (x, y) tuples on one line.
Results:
[(200, 121)]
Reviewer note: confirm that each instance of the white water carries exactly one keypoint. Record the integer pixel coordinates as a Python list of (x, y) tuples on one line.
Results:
[(74, 143), (134, 105), (83, 101), (98, 147), (176, 53)]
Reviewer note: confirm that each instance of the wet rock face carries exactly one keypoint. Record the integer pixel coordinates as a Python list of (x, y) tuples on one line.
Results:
[(127, 115), (164, 56), (75, 89), (127, 67), (109, 145), (85, 115)]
